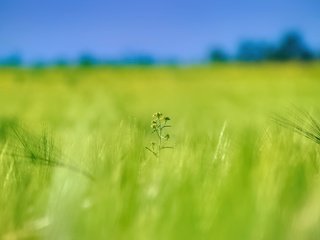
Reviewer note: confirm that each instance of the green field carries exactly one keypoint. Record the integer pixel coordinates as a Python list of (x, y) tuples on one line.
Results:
[(233, 172)]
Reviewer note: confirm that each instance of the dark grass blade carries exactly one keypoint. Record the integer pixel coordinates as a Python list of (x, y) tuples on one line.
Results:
[(301, 122), (39, 150)]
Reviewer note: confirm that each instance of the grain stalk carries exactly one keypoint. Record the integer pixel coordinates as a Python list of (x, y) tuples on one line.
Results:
[(301, 122)]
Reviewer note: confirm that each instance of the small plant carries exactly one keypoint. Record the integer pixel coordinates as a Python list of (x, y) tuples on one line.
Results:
[(158, 124)]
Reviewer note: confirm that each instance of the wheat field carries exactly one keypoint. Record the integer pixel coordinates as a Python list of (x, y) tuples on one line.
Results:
[(73, 162)]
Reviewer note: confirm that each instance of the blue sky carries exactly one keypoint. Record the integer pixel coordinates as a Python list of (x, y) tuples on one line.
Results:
[(185, 29)]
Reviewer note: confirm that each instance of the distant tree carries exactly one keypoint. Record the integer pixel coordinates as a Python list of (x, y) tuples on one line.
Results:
[(292, 47), (87, 60), (61, 62), (173, 62), (39, 64), (13, 60), (254, 51), (138, 59), (218, 55)]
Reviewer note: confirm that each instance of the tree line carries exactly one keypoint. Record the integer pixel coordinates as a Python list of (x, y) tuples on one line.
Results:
[(291, 47)]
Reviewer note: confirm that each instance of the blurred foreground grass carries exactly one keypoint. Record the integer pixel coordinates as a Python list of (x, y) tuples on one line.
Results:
[(233, 173)]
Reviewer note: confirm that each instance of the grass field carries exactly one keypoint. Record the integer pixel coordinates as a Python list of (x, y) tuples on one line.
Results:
[(73, 163)]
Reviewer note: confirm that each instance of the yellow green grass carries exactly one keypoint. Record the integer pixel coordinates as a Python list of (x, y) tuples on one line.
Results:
[(233, 173)]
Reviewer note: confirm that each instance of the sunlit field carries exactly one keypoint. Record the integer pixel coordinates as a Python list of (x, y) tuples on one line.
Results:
[(73, 162)]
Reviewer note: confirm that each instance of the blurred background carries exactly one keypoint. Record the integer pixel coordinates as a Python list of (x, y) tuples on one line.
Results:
[(234, 173), (45, 33)]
